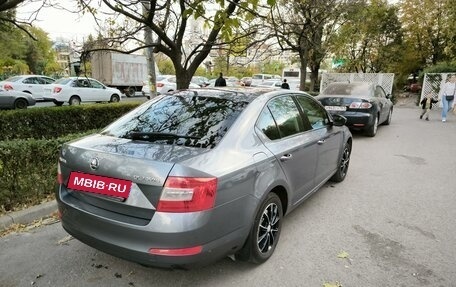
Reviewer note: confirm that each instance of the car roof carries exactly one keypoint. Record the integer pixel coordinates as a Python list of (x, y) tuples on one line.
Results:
[(247, 94), (17, 77)]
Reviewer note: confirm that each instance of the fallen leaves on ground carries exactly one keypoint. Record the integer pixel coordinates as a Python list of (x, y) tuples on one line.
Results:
[(65, 240), (19, 228), (343, 255), (336, 284)]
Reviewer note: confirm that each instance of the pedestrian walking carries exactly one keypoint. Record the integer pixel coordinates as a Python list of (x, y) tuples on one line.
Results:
[(448, 93), (285, 85), (220, 82), (426, 105)]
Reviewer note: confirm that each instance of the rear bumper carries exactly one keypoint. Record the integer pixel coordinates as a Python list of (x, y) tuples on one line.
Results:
[(165, 230), (358, 120)]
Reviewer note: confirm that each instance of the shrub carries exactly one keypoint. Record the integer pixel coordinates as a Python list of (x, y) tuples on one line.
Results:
[(29, 144), (48, 123), (28, 170)]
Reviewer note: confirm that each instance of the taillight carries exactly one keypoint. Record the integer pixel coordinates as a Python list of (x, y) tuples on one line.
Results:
[(176, 251), (8, 87), (59, 174), (57, 90), (159, 85), (360, 105), (187, 194)]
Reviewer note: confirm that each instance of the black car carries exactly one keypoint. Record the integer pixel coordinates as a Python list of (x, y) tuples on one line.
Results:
[(365, 105)]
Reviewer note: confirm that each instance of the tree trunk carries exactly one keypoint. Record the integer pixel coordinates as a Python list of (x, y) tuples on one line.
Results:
[(303, 61)]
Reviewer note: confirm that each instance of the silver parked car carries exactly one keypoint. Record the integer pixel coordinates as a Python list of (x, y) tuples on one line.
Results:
[(190, 177), (15, 100)]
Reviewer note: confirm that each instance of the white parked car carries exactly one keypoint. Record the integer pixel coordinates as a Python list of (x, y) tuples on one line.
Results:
[(75, 90), (165, 84), (30, 84), (270, 84)]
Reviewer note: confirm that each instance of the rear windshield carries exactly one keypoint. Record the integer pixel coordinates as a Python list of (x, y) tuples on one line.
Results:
[(196, 120), (13, 79), (347, 89), (62, 81)]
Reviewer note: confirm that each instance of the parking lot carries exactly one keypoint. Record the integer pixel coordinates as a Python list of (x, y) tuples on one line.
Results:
[(390, 223)]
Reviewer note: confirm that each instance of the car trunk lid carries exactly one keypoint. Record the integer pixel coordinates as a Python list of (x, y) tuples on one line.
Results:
[(118, 178)]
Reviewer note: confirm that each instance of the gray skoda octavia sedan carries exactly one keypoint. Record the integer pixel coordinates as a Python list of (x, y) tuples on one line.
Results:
[(188, 178)]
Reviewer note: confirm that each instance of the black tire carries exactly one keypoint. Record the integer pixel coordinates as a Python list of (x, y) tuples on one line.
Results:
[(131, 92), (114, 98), (58, 104), (74, 101), (344, 162), (372, 130), (265, 232), (388, 120), (20, 104)]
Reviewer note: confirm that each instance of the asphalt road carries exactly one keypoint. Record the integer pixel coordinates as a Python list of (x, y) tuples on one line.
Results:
[(392, 221)]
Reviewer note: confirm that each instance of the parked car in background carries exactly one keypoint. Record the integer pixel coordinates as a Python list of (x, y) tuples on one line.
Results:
[(15, 99), (31, 84), (200, 81), (232, 81), (190, 177), (75, 90), (257, 79), (246, 81), (294, 84), (165, 84), (365, 105), (271, 84)]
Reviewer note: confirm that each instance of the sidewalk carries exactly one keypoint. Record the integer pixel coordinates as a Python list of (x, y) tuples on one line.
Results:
[(28, 215)]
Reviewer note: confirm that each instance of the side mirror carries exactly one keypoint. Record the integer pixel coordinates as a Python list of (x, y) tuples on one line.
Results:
[(339, 120)]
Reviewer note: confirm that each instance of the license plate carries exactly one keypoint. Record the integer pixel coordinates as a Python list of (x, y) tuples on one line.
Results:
[(99, 184), (335, 108)]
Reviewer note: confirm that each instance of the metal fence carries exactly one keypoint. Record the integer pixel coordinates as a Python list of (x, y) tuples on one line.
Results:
[(385, 80)]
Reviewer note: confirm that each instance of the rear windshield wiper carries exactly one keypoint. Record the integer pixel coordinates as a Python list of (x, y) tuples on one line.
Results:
[(153, 136)]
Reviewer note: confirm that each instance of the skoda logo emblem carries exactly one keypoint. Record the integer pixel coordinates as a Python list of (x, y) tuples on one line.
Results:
[(94, 163)]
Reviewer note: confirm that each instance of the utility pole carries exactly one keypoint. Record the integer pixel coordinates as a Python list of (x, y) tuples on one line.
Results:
[(152, 77)]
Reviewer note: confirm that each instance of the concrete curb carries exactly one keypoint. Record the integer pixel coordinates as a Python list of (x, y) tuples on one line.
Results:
[(28, 215)]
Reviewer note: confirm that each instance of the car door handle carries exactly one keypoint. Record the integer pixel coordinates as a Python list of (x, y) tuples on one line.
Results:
[(321, 141), (286, 157)]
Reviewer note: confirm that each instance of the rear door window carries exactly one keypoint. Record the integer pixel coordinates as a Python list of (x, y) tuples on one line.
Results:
[(267, 125), (286, 117), (316, 114)]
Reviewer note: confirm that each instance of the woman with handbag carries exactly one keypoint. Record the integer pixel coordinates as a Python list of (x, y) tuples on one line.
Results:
[(448, 93)]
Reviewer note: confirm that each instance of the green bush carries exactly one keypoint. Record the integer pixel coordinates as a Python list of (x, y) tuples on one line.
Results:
[(28, 170), (54, 122), (29, 144)]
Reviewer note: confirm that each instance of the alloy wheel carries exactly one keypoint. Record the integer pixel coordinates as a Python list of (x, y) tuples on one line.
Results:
[(268, 228), (345, 160)]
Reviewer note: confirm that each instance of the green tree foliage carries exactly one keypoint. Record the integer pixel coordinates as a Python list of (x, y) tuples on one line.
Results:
[(165, 65), (39, 54), (429, 28), (23, 49), (373, 45)]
